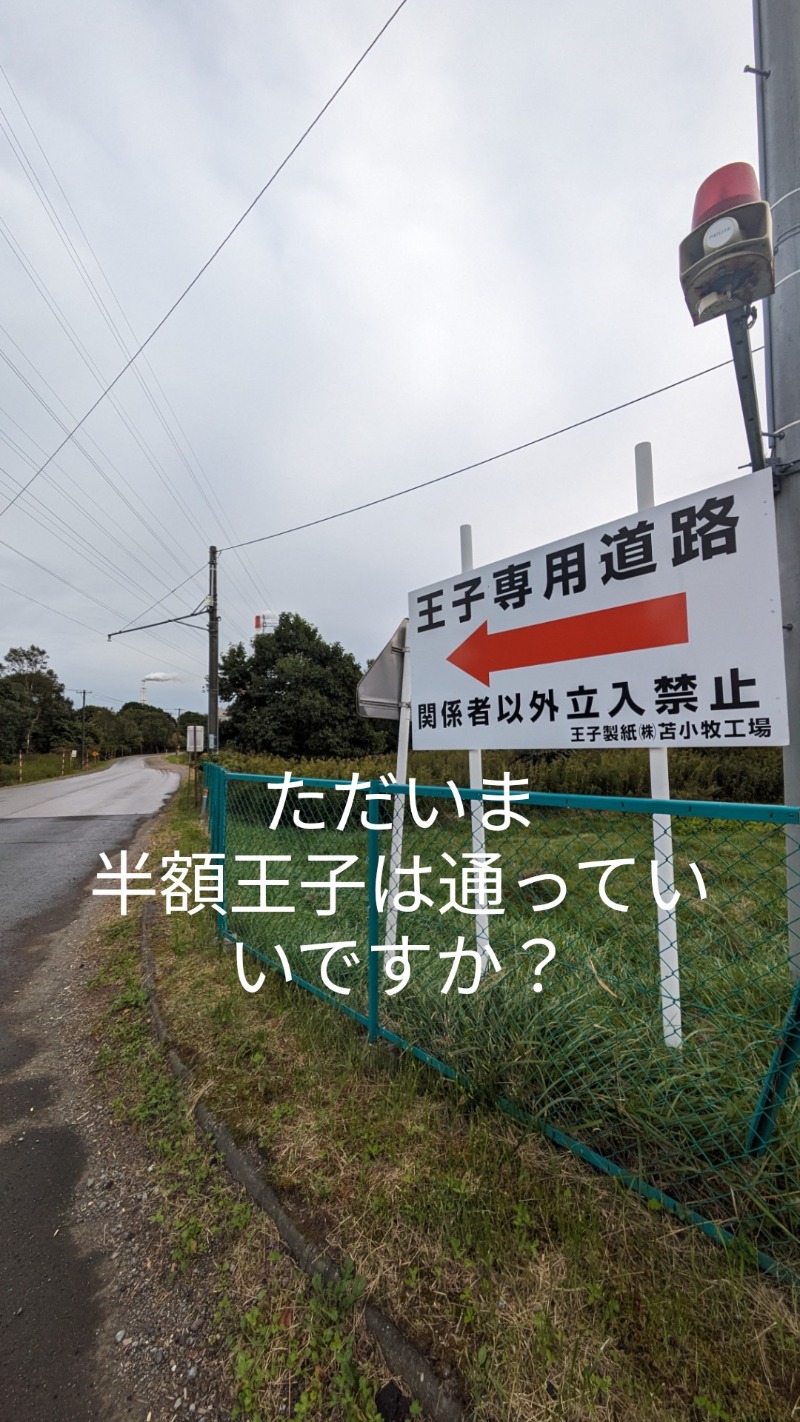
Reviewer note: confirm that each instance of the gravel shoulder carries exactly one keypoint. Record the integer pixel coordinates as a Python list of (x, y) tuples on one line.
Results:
[(93, 1323)]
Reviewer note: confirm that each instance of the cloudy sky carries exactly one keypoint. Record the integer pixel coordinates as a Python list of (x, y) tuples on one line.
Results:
[(476, 246)]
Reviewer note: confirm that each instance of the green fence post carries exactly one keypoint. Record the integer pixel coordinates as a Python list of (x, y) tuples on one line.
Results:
[(373, 918), (776, 1082), (215, 788), (221, 778), (676, 1154)]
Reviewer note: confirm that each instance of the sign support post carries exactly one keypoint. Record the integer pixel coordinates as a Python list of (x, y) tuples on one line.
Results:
[(194, 745), (384, 691), (662, 825), (399, 806), (476, 781)]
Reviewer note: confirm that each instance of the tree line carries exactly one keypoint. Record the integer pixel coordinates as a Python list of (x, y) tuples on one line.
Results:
[(36, 715), (292, 695)]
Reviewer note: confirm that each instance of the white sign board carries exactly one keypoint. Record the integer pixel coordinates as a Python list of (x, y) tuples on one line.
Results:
[(195, 738), (661, 629)]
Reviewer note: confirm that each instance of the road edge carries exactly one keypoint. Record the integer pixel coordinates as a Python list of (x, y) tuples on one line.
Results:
[(402, 1357)]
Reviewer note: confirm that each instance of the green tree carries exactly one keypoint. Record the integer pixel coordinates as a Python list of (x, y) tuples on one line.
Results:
[(294, 696), (129, 735), (41, 716), (154, 728), (191, 718), (101, 730), (13, 719)]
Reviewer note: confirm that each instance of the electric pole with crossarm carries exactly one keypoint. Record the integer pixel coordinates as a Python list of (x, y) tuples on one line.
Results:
[(776, 25), (213, 653)]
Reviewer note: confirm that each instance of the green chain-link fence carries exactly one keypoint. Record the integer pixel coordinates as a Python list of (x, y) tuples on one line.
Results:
[(682, 1083)]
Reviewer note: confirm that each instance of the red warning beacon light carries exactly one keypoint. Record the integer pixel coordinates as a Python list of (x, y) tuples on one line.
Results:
[(727, 261), (732, 186)]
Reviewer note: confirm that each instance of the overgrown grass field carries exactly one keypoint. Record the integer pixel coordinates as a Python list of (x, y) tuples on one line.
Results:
[(45, 766), (550, 1291), (586, 1055)]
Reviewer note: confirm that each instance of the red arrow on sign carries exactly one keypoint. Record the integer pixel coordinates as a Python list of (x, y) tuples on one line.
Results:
[(659, 622)]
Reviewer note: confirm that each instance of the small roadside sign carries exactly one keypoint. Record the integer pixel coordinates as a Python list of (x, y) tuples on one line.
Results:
[(195, 739), (379, 691), (660, 629)]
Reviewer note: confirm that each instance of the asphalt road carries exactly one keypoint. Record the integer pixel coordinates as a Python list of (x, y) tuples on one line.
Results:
[(51, 836)]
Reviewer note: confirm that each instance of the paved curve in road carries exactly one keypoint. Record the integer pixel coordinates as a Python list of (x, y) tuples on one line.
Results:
[(51, 836)]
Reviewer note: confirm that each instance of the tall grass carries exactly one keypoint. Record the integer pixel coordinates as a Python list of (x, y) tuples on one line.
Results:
[(751, 775), (44, 766), (586, 1054)]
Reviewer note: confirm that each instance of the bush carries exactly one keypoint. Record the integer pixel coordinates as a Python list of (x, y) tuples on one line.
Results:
[(752, 775)]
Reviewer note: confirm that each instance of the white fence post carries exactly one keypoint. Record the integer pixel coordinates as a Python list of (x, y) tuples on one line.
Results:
[(662, 826), (399, 806)]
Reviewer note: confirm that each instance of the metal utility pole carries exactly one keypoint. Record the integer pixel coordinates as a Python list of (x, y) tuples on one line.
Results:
[(213, 653), (76, 691), (776, 25)]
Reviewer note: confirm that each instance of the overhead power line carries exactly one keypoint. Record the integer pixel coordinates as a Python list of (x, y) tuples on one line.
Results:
[(479, 463), (145, 343), (116, 488), (49, 608), (129, 625), (73, 588), (65, 532), (169, 422), (140, 651), (184, 508)]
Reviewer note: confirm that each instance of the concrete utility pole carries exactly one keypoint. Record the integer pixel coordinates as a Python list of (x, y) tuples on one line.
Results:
[(213, 653), (776, 25)]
